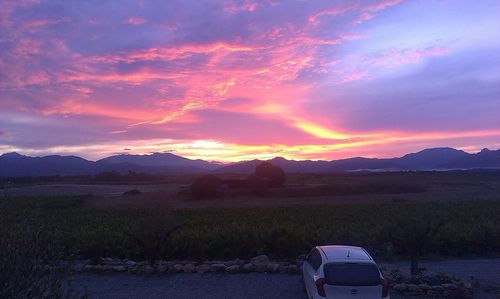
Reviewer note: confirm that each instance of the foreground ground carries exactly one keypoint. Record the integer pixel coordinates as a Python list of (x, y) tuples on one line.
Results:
[(253, 285)]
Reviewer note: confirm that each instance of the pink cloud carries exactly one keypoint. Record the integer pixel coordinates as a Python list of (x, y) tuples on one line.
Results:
[(370, 11), (44, 22), (233, 6), (136, 21), (332, 12), (394, 58)]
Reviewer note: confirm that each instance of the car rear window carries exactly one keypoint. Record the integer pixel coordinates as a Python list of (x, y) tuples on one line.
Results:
[(351, 274)]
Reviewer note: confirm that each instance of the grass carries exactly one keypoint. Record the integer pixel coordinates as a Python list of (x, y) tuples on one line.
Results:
[(470, 227)]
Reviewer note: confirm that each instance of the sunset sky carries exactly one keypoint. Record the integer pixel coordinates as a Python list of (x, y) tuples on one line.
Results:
[(233, 80)]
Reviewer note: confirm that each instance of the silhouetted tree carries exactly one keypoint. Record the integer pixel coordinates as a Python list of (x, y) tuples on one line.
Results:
[(412, 235), (205, 186), (274, 174)]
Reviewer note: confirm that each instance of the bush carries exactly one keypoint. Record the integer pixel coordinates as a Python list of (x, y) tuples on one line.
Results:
[(274, 174), (205, 186), (29, 266)]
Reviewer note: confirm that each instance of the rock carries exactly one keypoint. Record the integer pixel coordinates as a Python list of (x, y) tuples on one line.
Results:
[(142, 263), (260, 263), (413, 288), (217, 268), (89, 268), (162, 268), (188, 268), (106, 260), (107, 268), (79, 267), (400, 287), (119, 268), (292, 269), (272, 267), (248, 267), (178, 268), (148, 270), (130, 263), (114, 262), (438, 289), (425, 288), (233, 269), (260, 259), (229, 263), (449, 286), (202, 268), (239, 262), (260, 268), (234, 262)]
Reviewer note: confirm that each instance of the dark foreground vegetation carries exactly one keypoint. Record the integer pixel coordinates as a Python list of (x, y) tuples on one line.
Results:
[(80, 230)]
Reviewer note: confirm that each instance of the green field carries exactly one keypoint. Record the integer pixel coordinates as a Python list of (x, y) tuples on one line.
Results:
[(470, 227)]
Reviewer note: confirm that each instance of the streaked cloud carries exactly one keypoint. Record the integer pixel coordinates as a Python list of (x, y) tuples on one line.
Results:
[(243, 79)]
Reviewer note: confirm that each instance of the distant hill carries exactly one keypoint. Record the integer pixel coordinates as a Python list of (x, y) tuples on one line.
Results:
[(427, 159), (432, 158), (160, 159), (484, 159), (16, 165)]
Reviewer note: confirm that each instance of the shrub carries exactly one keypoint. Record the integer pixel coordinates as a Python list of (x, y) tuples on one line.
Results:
[(205, 186), (274, 174), (29, 266)]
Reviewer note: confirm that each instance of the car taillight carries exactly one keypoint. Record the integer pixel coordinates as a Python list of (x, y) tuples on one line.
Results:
[(320, 286), (385, 287)]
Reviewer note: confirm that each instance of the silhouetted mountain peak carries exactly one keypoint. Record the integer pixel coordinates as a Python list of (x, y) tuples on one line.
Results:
[(431, 158), (278, 159), (15, 164), (159, 159), (12, 155)]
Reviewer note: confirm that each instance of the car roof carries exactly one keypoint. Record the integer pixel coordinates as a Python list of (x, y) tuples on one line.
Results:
[(344, 253)]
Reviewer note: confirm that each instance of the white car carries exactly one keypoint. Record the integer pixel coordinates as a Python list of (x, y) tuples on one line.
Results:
[(339, 271)]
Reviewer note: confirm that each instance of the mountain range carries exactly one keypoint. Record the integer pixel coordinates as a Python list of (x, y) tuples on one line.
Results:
[(17, 165)]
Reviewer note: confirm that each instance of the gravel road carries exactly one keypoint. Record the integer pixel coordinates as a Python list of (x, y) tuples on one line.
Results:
[(248, 285)]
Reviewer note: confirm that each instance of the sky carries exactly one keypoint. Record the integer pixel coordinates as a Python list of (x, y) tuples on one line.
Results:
[(235, 80)]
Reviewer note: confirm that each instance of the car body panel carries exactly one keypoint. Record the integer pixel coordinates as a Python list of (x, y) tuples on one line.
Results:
[(342, 255)]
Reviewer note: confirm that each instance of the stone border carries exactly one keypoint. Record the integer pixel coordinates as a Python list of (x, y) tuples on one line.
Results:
[(259, 264)]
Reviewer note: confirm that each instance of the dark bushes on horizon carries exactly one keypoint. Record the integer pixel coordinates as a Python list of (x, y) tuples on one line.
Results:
[(266, 176), (274, 175)]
